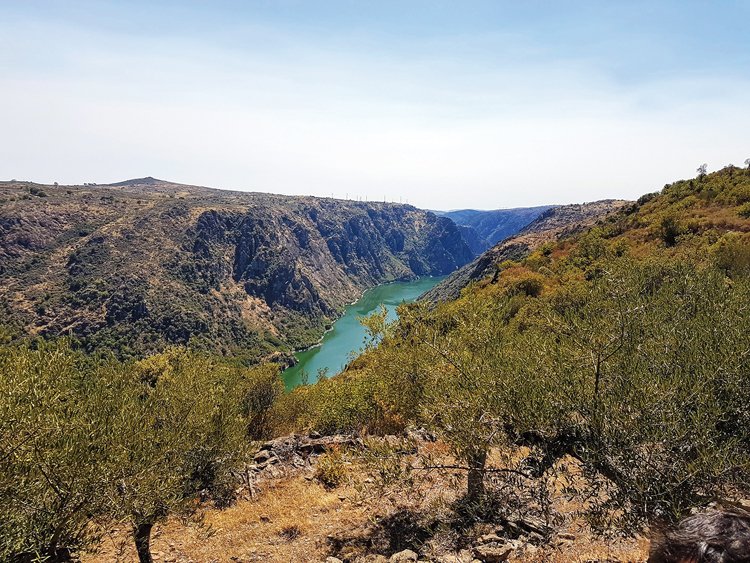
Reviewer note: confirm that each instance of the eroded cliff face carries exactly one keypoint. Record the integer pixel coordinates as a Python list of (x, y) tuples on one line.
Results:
[(143, 264)]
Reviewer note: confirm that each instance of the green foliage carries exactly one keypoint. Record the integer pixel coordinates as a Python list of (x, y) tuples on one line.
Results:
[(263, 388), (731, 253), (331, 468), (181, 430), (654, 361), (669, 230), (85, 438), (50, 475)]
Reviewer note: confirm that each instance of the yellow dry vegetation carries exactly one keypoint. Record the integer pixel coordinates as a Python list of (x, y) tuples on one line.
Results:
[(295, 519)]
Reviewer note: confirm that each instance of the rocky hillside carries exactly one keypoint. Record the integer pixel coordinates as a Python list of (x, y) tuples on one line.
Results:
[(552, 224), (483, 229), (142, 264)]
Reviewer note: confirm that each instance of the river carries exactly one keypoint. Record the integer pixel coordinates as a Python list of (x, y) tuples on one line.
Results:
[(347, 336)]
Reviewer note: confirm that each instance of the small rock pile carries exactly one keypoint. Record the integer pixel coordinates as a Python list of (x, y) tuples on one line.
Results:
[(516, 538), (295, 450)]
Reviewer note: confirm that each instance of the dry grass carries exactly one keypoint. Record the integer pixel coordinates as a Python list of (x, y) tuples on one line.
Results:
[(294, 518), (289, 521)]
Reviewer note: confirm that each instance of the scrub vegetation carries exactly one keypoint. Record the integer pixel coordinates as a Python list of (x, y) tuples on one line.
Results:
[(625, 347), (622, 348)]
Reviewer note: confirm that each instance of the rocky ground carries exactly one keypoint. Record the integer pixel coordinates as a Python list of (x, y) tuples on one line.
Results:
[(312, 498), (136, 266)]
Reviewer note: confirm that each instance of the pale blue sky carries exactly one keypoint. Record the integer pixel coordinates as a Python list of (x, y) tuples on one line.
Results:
[(446, 104)]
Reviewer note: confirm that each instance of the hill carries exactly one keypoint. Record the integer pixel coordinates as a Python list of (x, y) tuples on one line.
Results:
[(138, 265), (483, 229), (619, 348), (550, 225), (589, 390)]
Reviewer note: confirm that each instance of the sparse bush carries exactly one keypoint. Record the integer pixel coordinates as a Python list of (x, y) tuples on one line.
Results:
[(82, 439), (38, 192), (669, 230), (331, 469)]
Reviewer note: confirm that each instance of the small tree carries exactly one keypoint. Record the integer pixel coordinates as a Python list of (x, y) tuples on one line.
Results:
[(701, 170), (660, 354), (51, 451), (179, 429), (463, 377)]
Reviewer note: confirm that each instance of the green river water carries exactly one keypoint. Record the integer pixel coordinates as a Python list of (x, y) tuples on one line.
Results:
[(347, 336)]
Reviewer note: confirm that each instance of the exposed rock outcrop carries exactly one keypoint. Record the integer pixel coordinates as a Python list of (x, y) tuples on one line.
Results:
[(139, 265)]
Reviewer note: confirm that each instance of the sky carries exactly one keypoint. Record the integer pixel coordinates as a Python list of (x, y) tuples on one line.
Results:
[(446, 105)]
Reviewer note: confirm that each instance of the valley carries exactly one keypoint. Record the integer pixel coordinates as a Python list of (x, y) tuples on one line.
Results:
[(137, 266), (348, 336), (146, 325), (485, 228), (374, 282)]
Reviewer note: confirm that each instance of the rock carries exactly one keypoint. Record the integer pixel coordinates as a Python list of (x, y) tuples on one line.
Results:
[(533, 524), (404, 556), (420, 434), (530, 526), (262, 455), (391, 441), (535, 537), (492, 553), (487, 538), (333, 560)]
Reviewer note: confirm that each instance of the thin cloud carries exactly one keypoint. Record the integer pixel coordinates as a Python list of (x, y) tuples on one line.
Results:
[(451, 120)]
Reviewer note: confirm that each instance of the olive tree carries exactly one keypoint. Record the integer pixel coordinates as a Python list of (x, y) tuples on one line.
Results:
[(465, 381), (180, 428), (51, 451), (660, 355)]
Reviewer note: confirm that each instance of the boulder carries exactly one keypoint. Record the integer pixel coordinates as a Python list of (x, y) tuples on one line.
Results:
[(404, 556), (493, 553)]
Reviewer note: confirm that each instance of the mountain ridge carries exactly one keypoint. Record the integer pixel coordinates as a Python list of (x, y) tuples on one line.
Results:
[(485, 228), (553, 223), (148, 263)]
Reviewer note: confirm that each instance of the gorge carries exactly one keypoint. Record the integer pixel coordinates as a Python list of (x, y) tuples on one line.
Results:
[(347, 335), (141, 265)]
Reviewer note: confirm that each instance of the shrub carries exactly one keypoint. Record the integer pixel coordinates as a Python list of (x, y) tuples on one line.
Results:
[(86, 438), (51, 451), (669, 230), (331, 468)]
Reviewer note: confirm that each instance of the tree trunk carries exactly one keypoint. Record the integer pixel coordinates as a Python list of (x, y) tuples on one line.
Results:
[(475, 491), (142, 535)]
